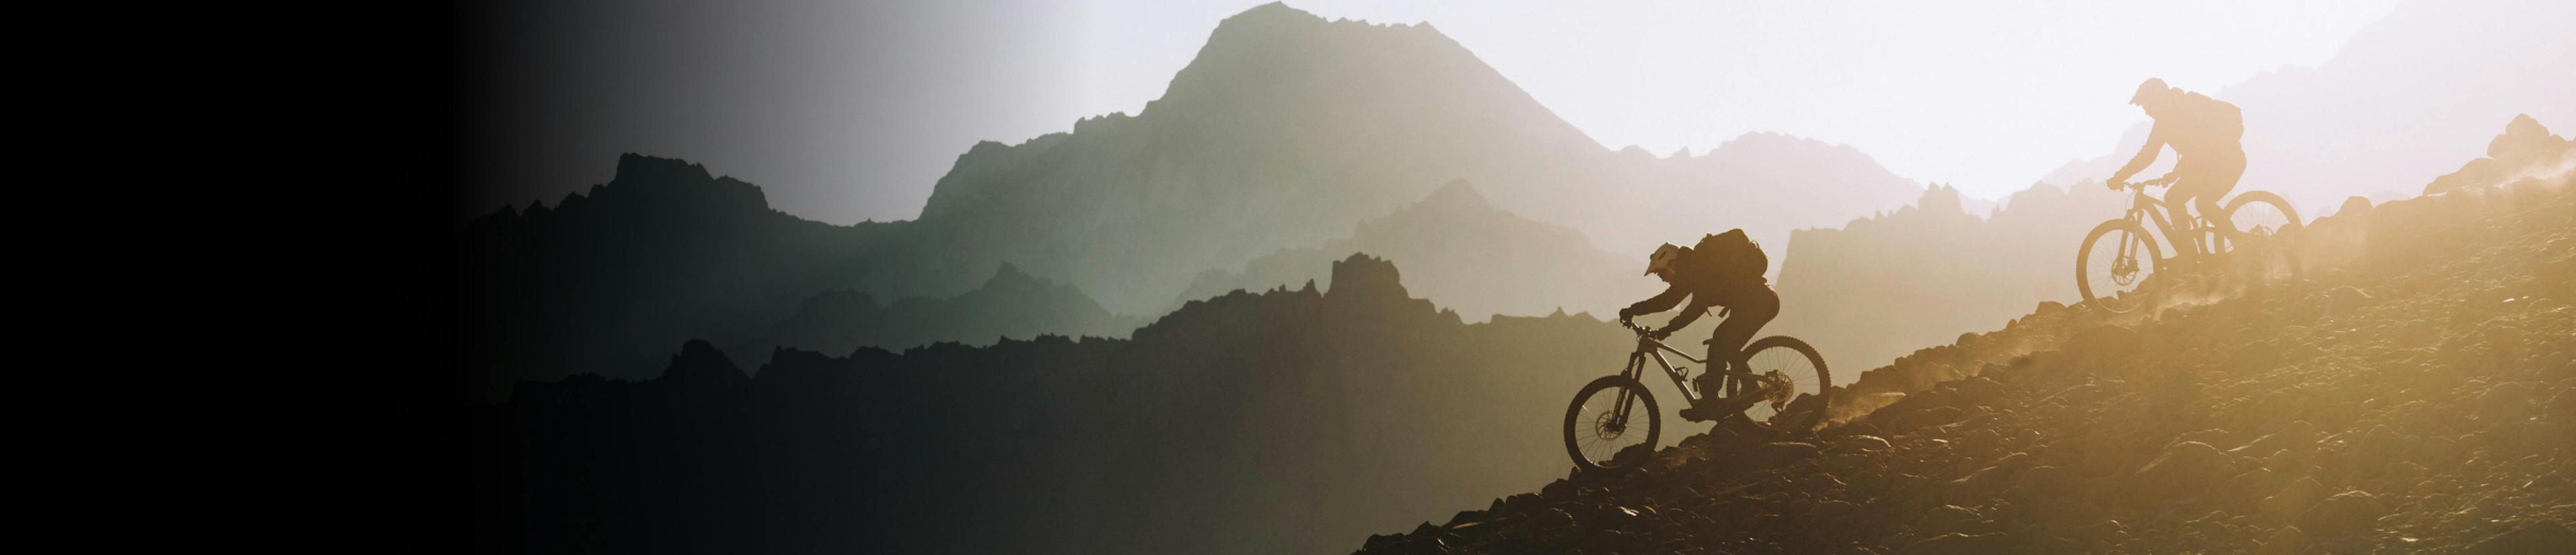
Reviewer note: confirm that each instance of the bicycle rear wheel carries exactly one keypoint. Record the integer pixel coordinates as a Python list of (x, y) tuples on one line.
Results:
[(1799, 382), (2113, 266), (2261, 214), (1612, 425), (2264, 237)]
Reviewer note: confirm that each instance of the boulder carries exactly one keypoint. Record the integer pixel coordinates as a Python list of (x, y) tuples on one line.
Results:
[(1975, 391), (2098, 345), (2286, 541), (2298, 435), (1959, 544), (2505, 400), (2286, 505), (2046, 485), (2346, 300), (2378, 448), (2562, 407), (2182, 469), (2540, 536), (1946, 519), (2344, 514), (2254, 357), (1863, 443)]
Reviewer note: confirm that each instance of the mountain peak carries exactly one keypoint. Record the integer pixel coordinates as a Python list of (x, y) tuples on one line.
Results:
[(1364, 277), (1457, 192), (1010, 277), (1274, 11), (638, 167)]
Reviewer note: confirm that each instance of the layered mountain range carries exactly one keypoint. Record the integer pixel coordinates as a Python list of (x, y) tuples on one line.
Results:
[(1286, 132)]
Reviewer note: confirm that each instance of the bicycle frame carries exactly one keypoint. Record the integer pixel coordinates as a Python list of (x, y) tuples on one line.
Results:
[(2152, 210), (1636, 370)]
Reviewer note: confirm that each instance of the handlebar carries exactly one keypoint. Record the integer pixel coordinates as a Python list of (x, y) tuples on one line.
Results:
[(2167, 180)]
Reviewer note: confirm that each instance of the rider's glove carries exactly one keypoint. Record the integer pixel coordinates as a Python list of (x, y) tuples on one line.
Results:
[(1659, 335), (2116, 184)]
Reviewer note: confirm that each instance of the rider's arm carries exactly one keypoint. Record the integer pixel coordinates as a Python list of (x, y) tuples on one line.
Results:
[(1659, 303), (1699, 305), (2155, 144)]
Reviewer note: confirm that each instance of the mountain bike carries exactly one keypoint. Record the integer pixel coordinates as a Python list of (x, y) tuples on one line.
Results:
[(2254, 241), (1778, 383)]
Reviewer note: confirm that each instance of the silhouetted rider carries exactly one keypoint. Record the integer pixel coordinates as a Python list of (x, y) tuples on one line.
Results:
[(1724, 270), (2206, 135)]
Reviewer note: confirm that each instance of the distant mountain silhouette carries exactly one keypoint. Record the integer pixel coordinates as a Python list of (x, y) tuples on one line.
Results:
[(606, 282), (1011, 304), (1883, 286), (1474, 258), (1270, 422), (2406, 99), (1287, 129), (1286, 132)]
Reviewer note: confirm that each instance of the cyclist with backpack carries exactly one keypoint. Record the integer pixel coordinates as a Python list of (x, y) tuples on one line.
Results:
[(2207, 138), (1723, 270)]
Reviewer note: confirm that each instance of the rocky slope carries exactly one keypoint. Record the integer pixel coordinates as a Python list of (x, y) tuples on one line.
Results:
[(2416, 394), (1948, 272)]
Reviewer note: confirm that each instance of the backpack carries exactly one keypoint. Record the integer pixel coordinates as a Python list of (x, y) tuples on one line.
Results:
[(1730, 254), (2219, 114)]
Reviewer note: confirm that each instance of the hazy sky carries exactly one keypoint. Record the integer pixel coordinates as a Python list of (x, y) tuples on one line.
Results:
[(846, 111)]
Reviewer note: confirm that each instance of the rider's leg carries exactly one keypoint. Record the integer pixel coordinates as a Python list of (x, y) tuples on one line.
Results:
[(2178, 203), (2215, 180), (1746, 315)]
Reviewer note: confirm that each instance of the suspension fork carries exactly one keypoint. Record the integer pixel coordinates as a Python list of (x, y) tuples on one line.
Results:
[(1636, 365), (2137, 215)]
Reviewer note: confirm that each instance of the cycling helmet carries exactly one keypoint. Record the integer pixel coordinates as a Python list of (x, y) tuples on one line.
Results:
[(2153, 86), (1663, 258)]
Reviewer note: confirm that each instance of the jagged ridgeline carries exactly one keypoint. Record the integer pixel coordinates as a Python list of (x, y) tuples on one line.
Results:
[(1285, 132), (1474, 258), (1284, 421), (606, 283)]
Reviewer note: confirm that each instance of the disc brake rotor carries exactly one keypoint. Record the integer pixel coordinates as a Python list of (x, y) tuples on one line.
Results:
[(1608, 427)]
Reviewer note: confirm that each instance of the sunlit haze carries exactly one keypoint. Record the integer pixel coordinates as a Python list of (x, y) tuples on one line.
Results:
[(849, 111)]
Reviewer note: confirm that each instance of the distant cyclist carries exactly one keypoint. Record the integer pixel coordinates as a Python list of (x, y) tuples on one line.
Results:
[(1723, 270), (2207, 137)]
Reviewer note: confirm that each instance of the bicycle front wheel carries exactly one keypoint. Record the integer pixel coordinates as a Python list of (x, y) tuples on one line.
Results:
[(1795, 380), (2113, 266), (1612, 425)]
